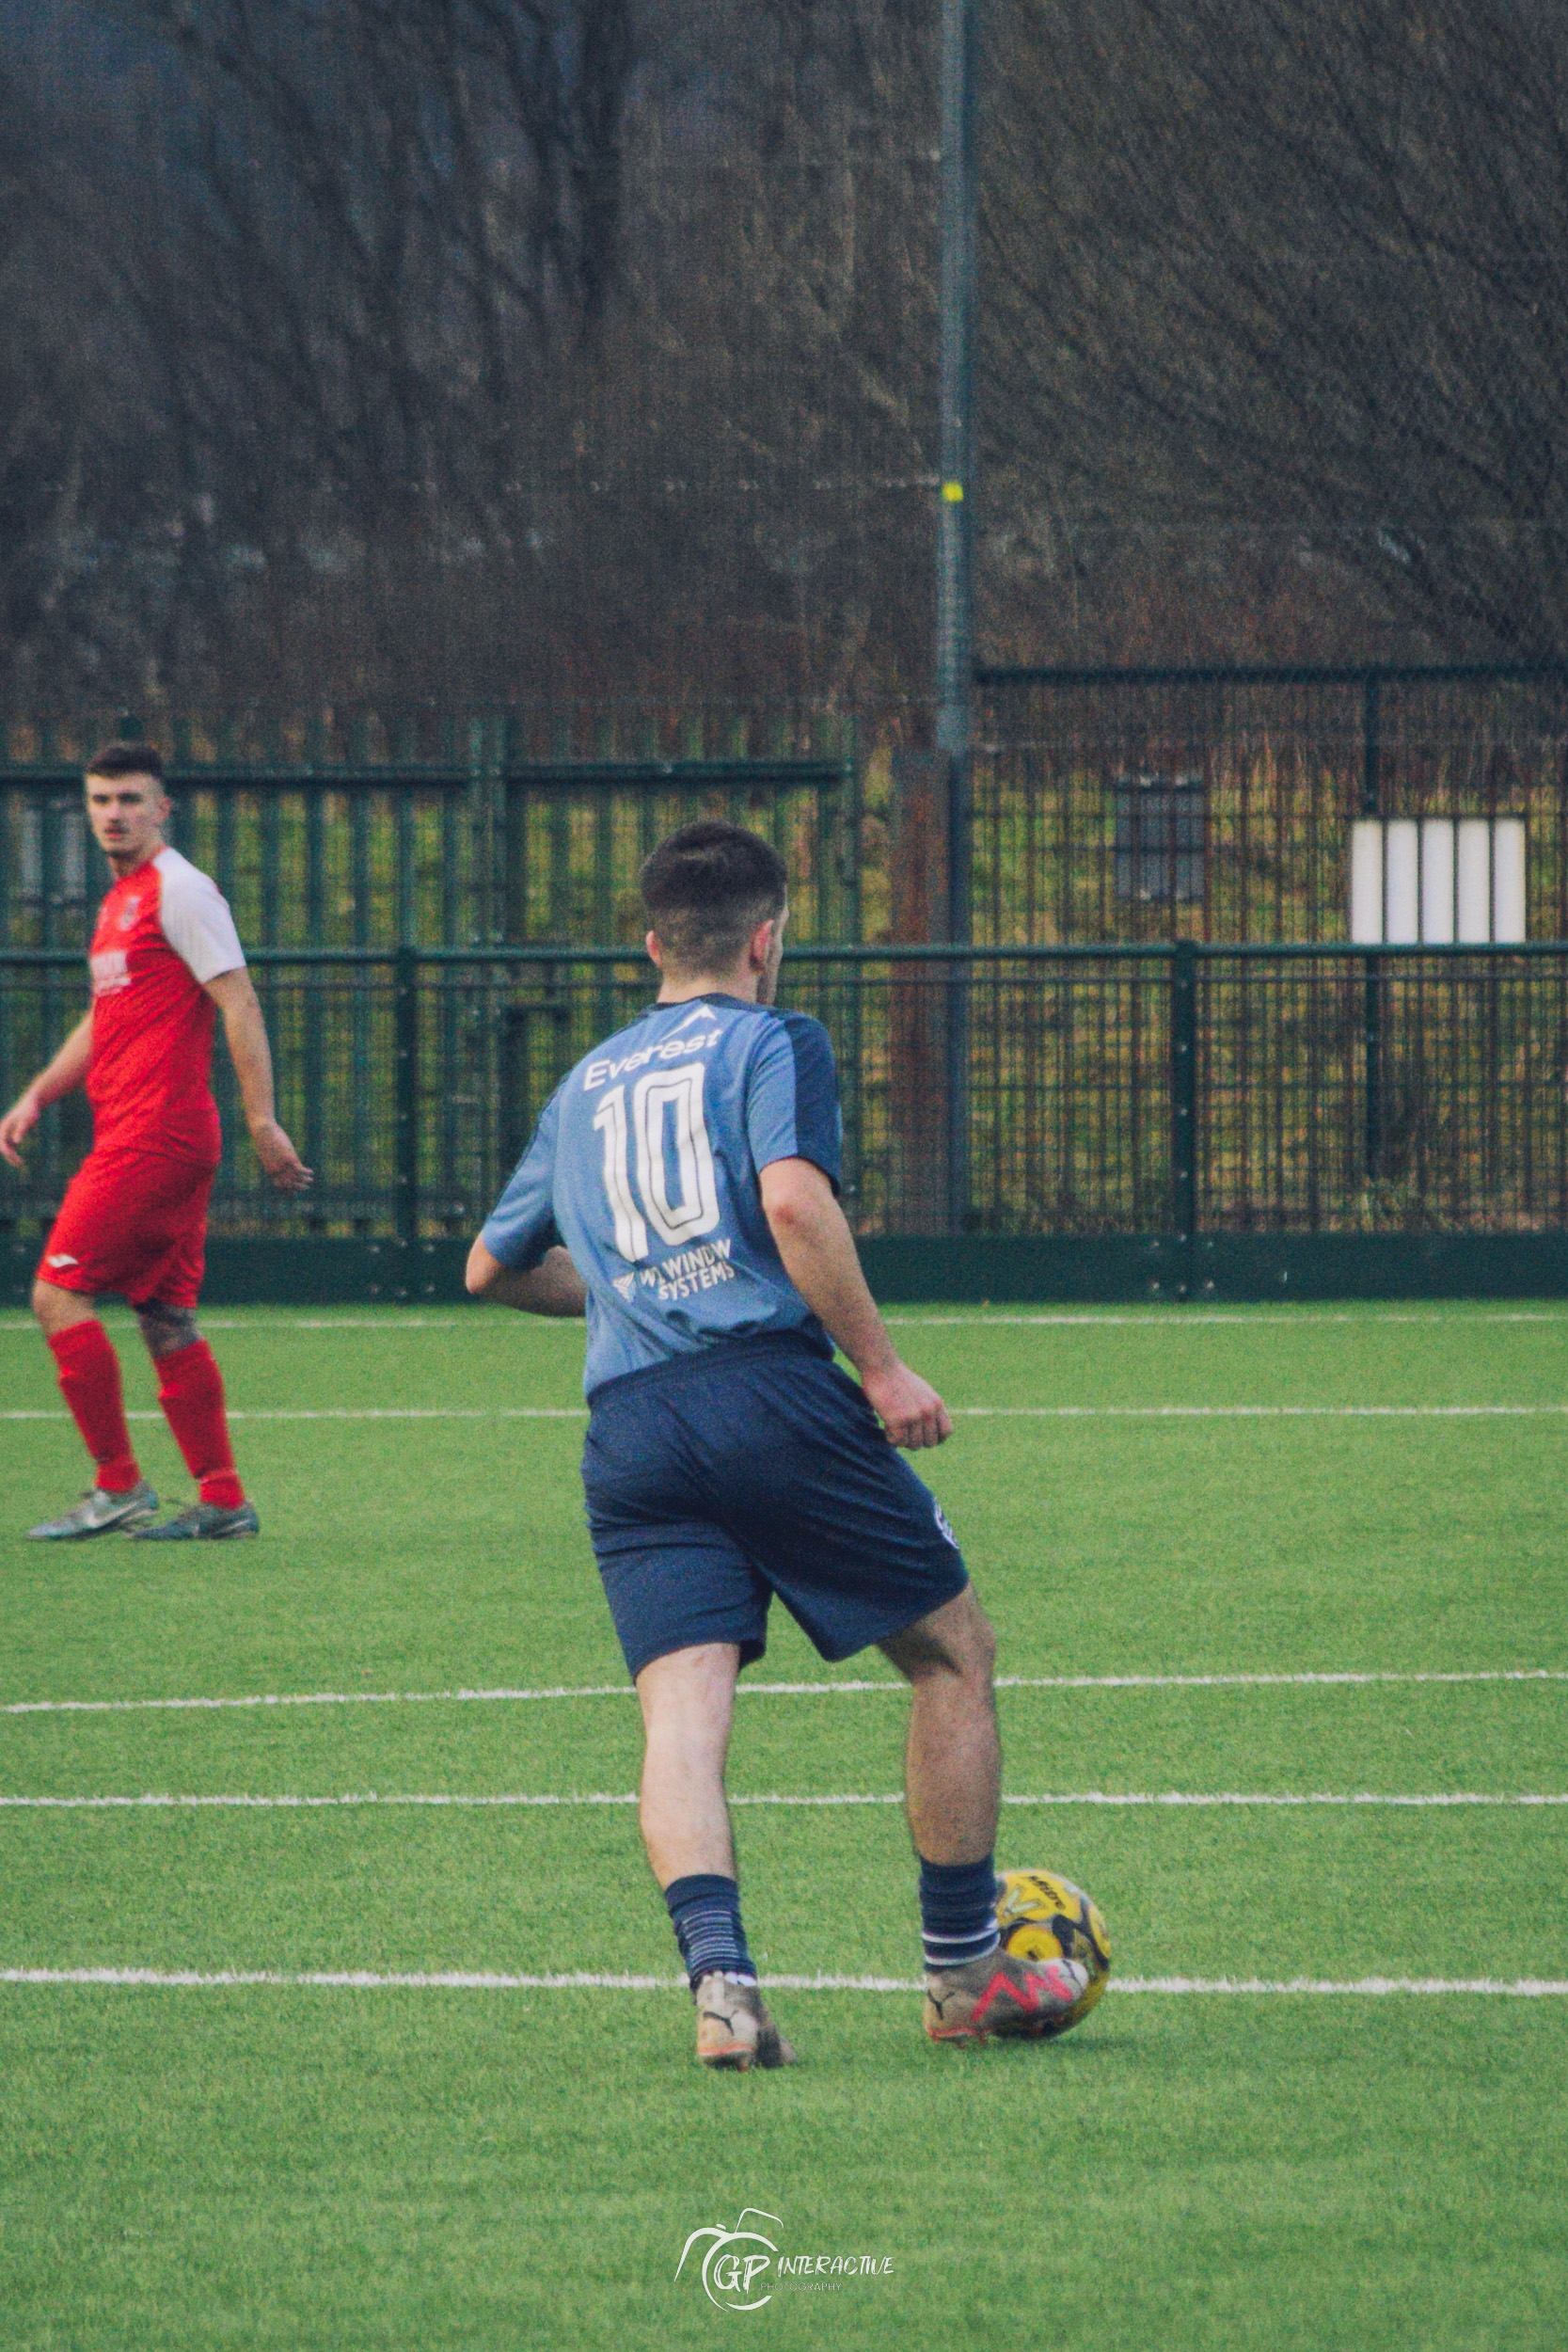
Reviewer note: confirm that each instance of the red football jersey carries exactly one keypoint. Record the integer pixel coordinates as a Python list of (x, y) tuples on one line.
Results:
[(162, 933)]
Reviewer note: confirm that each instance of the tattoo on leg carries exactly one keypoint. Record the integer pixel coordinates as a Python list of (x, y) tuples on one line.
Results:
[(165, 1329)]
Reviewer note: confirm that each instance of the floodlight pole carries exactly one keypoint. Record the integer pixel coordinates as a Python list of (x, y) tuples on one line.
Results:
[(954, 648)]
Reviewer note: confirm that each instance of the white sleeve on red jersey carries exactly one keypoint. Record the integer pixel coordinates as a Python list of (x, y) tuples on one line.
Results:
[(194, 918)]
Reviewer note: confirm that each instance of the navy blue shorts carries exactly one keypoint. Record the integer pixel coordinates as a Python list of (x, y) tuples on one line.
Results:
[(716, 1481)]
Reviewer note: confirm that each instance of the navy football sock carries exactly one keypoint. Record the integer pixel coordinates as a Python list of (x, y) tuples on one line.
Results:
[(958, 1912), (706, 1909)]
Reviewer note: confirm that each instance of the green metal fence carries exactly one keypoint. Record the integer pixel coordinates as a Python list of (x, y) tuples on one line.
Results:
[(1158, 1029), (1107, 806), (500, 849), (1155, 1089), (1217, 804)]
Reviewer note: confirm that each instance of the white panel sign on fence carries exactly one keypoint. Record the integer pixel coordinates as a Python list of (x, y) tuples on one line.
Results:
[(1401, 917), (1473, 893), (1507, 881), (1439, 881), (1366, 883)]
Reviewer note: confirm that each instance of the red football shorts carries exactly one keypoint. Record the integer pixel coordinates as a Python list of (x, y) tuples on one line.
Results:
[(134, 1222)]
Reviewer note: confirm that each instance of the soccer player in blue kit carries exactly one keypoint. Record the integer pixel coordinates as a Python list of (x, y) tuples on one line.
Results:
[(681, 1189)]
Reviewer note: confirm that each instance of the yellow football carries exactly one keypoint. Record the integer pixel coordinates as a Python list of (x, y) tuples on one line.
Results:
[(1042, 1917)]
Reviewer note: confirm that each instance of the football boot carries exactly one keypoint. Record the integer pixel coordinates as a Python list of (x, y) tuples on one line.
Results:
[(734, 2028), (207, 1522), (1001, 1995), (98, 1514)]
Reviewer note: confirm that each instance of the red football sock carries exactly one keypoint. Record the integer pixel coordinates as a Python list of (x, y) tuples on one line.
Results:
[(90, 1382), (190, 1390)]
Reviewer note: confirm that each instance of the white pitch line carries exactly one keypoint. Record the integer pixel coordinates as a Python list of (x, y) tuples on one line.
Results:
[(1185, 1797), (366, 1412), (1175, 1321), (1249, 1412), (1252, 1682), (169, 1802), (368, 1323), (960, 1412), (496, 1981), (157, 1801), (1165, 1319), (1518, 1988), (337, 1698), (344, 1323), (430, 1412), (782, 1690)]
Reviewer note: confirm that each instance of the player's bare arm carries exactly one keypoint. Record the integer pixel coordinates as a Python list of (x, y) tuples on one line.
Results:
[(553, 1287), (63, 1075), (234, 994), (820, 1259)]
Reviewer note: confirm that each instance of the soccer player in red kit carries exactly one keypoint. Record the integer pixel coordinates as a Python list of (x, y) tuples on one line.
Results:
[(165, 960)]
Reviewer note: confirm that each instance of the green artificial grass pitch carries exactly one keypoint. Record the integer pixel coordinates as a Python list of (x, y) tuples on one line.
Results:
[(344, 2164)]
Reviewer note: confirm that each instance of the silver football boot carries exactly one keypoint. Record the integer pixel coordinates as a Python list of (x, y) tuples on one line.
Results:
[(99, 1514), (734, 2028), (206, 1522)]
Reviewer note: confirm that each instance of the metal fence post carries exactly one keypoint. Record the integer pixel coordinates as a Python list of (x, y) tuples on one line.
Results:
[(961, 993), (1183, 1099), (921, 997), (955, 646), (406, 1040), (1371, 992)]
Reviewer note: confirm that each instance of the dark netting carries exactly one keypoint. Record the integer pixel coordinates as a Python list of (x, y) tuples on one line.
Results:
[(579, 355), (583, 354), (474, 438)]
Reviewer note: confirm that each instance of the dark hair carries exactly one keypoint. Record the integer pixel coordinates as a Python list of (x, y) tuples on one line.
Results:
[(127, 759), (707, 888)]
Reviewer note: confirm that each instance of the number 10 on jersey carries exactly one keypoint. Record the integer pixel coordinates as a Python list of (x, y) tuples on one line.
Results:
[(656, 1093)]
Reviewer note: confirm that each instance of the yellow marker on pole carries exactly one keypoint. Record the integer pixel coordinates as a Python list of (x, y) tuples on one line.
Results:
[(953, 492)]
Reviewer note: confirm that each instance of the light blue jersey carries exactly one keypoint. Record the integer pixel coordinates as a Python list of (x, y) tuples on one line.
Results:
[(646, 1164)]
